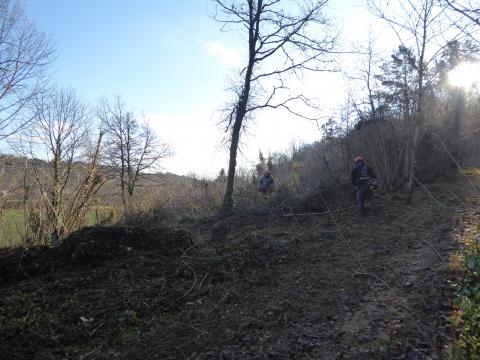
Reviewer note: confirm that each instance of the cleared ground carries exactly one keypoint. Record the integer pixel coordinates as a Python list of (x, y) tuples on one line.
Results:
[(325, 286)]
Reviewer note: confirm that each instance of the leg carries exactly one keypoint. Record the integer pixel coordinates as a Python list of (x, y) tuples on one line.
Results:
[(371, 200), (361, 194)]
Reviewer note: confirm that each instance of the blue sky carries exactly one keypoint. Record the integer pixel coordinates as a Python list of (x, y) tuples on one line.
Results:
[(169, 60), (149, 51)]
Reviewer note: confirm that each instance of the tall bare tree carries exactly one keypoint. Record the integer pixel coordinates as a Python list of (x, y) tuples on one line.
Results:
[(70, 178), (25, 53), (132, 148), (366, 92), (284, 39), (423, 26)]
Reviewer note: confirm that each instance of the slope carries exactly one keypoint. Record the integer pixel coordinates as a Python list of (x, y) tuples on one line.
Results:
[(325, 286)]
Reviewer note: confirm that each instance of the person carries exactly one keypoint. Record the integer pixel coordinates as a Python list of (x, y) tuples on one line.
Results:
[(267, 183), (364, 180)]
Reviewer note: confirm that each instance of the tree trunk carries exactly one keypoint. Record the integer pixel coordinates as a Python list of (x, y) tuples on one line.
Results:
[(241, 108), (419, 115), (56, 200), (456, 122), (232, 163), (413, 163)]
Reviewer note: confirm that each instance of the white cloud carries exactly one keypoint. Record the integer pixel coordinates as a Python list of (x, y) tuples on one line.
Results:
[(228, 55)]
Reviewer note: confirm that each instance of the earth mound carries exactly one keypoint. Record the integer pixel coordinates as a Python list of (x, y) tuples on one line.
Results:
[(90, 245)]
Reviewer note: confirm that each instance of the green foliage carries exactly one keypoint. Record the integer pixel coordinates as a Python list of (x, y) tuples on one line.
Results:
[(129, 325), (467, 317), (399, 80), (13, 227), (129, 318)]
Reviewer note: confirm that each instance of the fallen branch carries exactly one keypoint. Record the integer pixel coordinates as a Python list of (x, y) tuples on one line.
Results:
[(193, 327), (98, 327), (227, 293), (82, 357), (456, 197), (194, 282), (321, 213), (355, 273), (436, 252)]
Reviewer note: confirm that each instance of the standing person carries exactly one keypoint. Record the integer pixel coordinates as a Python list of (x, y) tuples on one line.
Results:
[(267, 183), (363, 177)]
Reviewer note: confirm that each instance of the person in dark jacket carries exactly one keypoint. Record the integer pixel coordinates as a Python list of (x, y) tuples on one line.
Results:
[(267, 183), (362, 178)]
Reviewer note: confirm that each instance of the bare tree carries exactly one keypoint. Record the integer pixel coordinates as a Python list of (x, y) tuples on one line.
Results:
[(70, 178), (423, 26), (367, 105), (280, 46), (25, 55), (132, 148), (465, 8)]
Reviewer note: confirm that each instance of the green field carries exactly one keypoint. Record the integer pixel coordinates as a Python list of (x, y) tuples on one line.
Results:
[(13, 227)]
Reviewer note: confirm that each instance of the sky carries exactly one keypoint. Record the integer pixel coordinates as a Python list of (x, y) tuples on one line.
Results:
[(169, 61)]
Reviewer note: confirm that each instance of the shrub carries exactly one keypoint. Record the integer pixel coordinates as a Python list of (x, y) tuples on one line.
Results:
[(466, 318)]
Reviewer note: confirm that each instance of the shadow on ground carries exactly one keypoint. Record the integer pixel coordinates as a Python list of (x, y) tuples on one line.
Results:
[(325, 286)]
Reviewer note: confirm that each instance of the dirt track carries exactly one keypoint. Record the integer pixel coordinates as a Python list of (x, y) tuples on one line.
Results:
[(264, 287)]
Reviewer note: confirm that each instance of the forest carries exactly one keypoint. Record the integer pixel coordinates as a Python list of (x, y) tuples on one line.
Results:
[(105, 255)]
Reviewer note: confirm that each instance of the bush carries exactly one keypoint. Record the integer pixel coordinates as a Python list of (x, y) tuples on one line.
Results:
[(466, 319)]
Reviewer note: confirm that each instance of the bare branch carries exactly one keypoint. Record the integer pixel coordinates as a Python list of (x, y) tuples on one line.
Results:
[(131, 146), (469, 12), (26, 54), (280, 48)]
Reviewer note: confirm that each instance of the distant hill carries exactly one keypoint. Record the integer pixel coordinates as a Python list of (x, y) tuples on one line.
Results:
[(17, 180)]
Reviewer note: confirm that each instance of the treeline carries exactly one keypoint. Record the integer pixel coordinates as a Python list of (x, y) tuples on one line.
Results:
[(382, 126), (70, 148), (71, 151), (402, 114)]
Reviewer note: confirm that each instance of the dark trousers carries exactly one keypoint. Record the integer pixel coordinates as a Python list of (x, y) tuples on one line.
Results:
[(266, 191), (364, 195)]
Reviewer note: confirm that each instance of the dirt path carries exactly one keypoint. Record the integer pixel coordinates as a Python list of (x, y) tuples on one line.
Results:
[(367, 294), (306, 287)]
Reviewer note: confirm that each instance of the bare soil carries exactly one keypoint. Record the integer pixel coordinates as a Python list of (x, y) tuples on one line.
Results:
[(327, 286)]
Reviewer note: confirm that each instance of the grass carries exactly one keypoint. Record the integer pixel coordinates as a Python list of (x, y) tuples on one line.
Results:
[(13, 227)]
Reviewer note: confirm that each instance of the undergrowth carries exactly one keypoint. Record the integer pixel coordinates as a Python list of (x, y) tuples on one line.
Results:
[(466, 318)]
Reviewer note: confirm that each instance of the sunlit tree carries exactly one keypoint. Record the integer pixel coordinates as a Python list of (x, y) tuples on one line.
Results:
[(284, 39)]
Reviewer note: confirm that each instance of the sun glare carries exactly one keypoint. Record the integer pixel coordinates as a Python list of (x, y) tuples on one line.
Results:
[(465, 75)]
